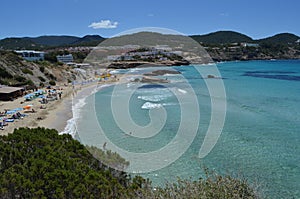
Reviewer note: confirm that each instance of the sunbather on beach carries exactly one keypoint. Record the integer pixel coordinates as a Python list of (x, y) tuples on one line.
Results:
[(20, 114)]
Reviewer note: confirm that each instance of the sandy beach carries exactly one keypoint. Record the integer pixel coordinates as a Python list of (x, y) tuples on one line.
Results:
[(54, 116), (57, 112)]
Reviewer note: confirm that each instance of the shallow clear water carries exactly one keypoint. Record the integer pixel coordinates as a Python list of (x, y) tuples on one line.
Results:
[(260, 139)]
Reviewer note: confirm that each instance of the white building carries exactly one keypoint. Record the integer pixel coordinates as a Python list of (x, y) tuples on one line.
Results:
[(249, 45), (65, 58), (31, 55)]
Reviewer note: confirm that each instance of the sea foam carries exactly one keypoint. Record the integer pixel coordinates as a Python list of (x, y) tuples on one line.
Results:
[(78, 104), (149, 105)]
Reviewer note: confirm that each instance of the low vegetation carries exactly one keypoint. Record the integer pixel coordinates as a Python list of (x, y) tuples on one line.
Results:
[(15, 71), (39, 163), (27, 71), (52, 82)]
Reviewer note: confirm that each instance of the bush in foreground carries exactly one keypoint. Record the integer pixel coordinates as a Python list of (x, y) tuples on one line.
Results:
[(213, 186), (39, 163)]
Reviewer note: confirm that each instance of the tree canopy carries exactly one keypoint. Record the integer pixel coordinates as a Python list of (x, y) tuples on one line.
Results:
[(40, 163)]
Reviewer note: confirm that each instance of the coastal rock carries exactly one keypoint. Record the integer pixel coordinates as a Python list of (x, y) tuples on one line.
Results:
[(134, 64), (153, 80), (161, 72)]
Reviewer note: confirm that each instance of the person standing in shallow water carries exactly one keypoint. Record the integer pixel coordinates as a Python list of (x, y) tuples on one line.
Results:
[(104, 145)]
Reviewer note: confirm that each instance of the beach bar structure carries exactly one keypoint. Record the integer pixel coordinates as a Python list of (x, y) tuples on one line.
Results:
[(9, 93)]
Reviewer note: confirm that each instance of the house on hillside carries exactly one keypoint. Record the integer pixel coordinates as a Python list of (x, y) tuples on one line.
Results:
[(65, 58), (10, 93), (249, 45), (31, 55)]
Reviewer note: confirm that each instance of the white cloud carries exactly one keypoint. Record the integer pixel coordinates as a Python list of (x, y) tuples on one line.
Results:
[(103, 24), (150, 15)]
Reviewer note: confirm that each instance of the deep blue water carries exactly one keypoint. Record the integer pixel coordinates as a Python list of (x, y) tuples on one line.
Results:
[(260, 139)]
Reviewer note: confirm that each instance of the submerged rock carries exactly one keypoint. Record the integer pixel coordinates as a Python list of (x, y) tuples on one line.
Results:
[(162, 72)]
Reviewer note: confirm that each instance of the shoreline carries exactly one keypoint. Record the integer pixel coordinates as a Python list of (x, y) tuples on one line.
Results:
[(55, 116), (59, 112), (64, 112)]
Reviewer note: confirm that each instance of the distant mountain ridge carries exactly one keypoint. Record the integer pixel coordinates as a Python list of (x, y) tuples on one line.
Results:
[(44, 42), (54, 40), (222, 37), (281, 38), (227, 37), (215, 38)]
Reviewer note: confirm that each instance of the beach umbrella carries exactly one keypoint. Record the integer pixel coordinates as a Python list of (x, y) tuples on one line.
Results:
[(27, 106)]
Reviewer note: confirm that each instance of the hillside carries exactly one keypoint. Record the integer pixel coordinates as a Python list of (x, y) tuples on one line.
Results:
[(18, 44), (283, 38), (45, 42), (15, 71), (224, 46), (222, 37), (263, 52), (215, 38), (54, 40), (221, 45), (88, 40)]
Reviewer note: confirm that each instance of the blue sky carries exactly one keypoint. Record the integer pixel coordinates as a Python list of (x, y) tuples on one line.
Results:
[(256, 18)]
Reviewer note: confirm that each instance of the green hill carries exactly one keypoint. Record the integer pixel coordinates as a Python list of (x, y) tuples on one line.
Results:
[(54, 40), (145, 38), (215, 38), (18, 44), (88, 40), (44, 42), (283, 38), (222, 37)]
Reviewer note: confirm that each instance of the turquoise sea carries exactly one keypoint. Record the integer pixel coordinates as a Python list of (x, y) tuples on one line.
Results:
[(260, 139)]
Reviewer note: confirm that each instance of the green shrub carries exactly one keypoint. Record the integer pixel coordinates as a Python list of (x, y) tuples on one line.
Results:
[(211, 187), (29, 82), (42, 69), (4, 73), (50, 76), (52, 82), (27, 71), (41, 78), (20, 78), (4, 82), (40, 163)]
